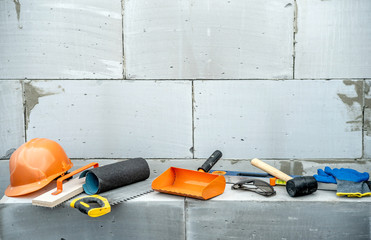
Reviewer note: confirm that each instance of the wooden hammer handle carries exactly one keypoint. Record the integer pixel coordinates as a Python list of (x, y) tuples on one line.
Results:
[(271, 170)]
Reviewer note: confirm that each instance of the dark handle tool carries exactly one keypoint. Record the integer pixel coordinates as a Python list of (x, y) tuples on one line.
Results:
[(82, 204), (210, 162), (253, 174), (243, 174)]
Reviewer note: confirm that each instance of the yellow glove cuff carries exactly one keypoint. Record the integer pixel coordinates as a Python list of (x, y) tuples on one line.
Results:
[(356, 194)]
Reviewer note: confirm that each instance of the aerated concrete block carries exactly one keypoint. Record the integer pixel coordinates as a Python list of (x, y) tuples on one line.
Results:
[(367, 120), (129, 220), (61, 39), (12, 132), (204, 39), (113, 119), (239, 214), (333, 39), (279, 119)]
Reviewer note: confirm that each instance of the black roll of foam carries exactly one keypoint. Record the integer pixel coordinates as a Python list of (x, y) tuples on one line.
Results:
[(115, 175)]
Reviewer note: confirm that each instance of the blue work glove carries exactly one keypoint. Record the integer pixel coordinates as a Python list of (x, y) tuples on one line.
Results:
[(350, 182), (347, 174), (321, 176)]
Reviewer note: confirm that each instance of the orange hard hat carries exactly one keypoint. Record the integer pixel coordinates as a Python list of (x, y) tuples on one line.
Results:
[(35, 164)]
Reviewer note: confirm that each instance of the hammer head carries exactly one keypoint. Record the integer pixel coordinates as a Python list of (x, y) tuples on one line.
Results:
[(301, 186)]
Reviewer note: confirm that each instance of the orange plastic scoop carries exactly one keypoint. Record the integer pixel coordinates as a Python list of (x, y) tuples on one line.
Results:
[(196, 184)]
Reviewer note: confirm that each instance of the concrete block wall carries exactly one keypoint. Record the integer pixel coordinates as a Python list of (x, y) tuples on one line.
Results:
[(274, 79)]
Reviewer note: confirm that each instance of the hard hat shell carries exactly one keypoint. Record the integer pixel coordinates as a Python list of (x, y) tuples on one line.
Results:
[(35, 164)]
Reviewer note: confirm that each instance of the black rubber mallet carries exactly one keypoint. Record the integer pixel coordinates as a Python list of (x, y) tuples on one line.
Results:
[(298, 186)]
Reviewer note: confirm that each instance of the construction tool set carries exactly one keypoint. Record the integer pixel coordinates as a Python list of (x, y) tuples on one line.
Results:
[(41, 162)]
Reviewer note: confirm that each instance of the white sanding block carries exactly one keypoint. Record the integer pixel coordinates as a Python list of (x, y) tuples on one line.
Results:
[(70, 189)]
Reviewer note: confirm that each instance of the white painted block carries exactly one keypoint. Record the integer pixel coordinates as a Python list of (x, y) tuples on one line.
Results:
[(61, 39), (113, 119), (367, 120), (279, 119), (204, 39), (333, 39), (11, 117)]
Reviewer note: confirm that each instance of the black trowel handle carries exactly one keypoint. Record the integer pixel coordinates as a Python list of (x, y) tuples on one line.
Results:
[(210, 162)]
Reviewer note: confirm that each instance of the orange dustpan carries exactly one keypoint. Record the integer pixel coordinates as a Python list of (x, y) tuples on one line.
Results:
[(196, 184)]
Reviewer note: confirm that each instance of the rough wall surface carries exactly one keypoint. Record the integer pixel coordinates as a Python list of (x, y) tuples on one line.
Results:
[(177, 79)]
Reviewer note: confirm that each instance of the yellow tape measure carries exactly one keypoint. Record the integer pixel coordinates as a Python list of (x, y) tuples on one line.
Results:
[(82, 204)]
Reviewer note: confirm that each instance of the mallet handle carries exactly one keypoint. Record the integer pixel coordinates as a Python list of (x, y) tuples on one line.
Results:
[(271, 170)]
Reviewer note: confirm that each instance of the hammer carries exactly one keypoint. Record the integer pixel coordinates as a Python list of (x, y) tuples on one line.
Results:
[(298, 186)]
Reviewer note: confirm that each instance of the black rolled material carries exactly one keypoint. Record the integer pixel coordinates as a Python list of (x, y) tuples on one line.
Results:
[(301, 186), (115, 175)]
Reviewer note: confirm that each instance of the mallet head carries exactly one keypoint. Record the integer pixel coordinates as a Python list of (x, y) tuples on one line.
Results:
[(301, 186)]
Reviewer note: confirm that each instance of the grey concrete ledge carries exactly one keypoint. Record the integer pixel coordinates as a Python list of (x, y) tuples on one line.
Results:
[(232, 215)]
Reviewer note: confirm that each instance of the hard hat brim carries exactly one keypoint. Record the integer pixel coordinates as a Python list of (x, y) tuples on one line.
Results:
[(29, 188)]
